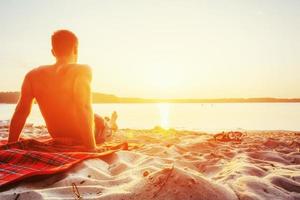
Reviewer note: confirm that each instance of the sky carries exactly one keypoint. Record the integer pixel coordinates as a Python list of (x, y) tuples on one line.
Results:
[(162, 48)]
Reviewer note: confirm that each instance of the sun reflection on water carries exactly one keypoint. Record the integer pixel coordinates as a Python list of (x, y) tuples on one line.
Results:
[(164, 109)]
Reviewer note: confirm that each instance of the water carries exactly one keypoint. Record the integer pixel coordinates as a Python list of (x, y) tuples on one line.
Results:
[(206, 117)]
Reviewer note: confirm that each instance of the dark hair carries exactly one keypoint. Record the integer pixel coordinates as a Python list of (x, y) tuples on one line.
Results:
[(63, 42)]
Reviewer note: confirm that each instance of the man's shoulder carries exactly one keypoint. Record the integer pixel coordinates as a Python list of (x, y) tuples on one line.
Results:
[(36, 70), (40, 68), (82, 69)]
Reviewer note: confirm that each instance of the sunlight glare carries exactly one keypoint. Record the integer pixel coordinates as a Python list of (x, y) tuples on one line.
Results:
[(164, 114)]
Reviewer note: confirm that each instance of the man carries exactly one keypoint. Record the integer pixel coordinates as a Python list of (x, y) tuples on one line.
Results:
[(63, 94)]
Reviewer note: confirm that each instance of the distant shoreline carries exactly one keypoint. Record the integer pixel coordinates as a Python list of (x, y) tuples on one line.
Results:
[(12, 98)]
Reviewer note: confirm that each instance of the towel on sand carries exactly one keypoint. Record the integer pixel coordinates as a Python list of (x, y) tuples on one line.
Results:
[(30, 157)]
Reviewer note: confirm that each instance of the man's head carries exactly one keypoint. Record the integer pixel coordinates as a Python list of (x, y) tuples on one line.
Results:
[(64, 45)]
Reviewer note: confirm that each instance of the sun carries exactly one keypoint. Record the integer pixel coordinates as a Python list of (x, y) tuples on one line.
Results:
[(163, 77)]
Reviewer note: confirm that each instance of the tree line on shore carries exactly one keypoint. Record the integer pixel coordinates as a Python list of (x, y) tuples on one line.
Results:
[(12, 97)]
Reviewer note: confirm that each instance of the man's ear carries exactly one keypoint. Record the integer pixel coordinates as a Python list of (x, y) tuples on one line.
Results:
[(53, 53), (76, 51)]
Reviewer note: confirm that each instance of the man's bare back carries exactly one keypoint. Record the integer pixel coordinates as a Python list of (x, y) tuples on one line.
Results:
[(63, 93)]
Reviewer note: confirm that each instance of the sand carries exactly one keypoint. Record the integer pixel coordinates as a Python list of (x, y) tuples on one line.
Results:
[(178, 165)]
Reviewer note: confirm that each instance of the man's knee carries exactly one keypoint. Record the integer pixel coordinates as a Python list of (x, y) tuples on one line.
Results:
[(99, 123)]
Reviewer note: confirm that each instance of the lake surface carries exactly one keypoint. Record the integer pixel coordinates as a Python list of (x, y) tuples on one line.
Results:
[(192, 116)]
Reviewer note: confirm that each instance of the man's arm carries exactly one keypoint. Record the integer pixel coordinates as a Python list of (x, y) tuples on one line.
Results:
[(84, 111), (21, 112)]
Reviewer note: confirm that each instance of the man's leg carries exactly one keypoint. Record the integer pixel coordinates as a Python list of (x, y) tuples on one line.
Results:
[(104, 127), (99, 129)]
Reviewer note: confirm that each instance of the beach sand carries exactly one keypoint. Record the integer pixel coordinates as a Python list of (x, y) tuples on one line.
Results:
[(178, 165)]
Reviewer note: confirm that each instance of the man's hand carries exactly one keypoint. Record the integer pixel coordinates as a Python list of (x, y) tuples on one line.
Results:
[(22, 111)]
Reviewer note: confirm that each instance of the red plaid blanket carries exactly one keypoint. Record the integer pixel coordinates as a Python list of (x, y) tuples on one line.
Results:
[(30, 157)]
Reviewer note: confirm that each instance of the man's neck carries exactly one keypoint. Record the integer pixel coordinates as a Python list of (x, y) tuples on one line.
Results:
[(64, 61)]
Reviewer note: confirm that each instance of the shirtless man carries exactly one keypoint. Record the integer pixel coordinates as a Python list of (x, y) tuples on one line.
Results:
[(63, 94)]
